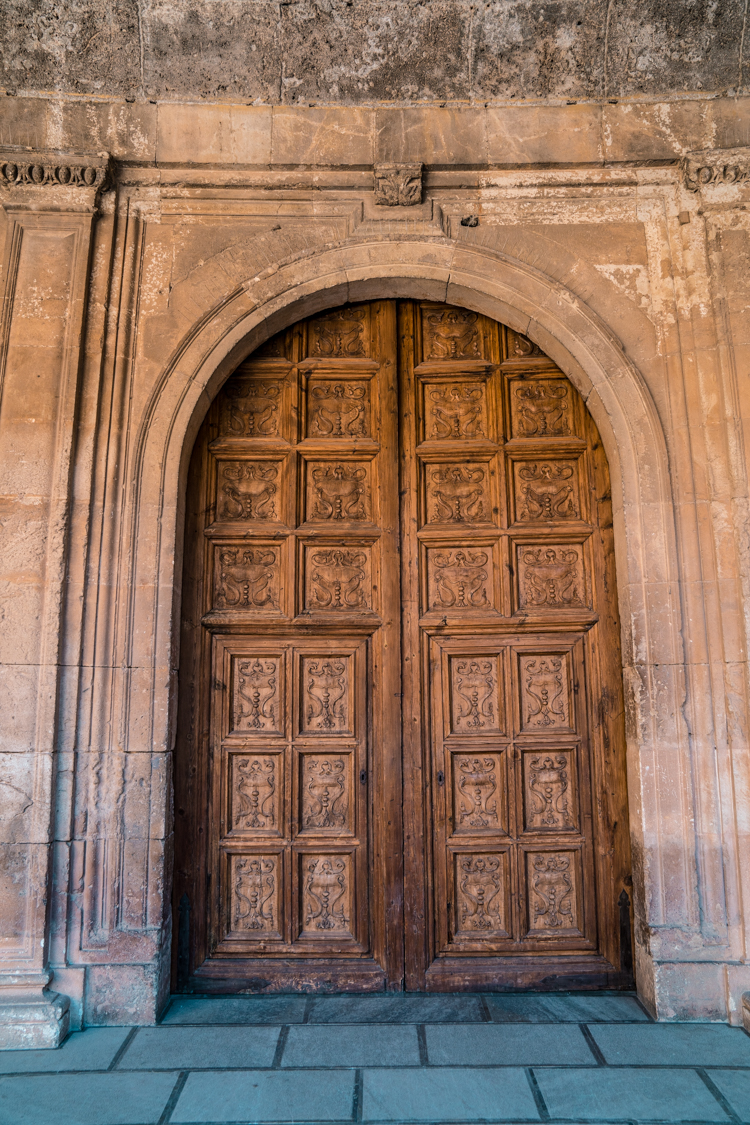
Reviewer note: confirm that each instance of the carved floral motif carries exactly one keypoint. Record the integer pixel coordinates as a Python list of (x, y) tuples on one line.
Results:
[(474, 694), (456, 411), (325, 685), (552, 893), (458, 579), (255, 793), (551, 576), (519, 347), (247, 490), (326, 893), (549, 795), (457, 494), (338, 492), (475, 781), (338, 579), (257, 697), (254, 898), (398, 185), (324, 796), (337, 410), (49, 169), (541, 408), (247, 578), (250, 407), (479, 894), (339, 335), (451, 334), (544, 692), (546, 490), (716, 166)]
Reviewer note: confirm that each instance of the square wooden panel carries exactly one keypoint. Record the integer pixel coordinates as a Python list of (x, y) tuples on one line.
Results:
[(479, 788), (481, 896), (450, 333), (250, 577), (255, 898), (252, 405), (461, 577), (551, 576), (454, 410), (459, 493), (325, 691), (550, 790), (542, 408), (255, 793), (252, 490), (553, 893), (338, 490), (258, 701), (341, 334), (326, 793), (545, 692), (338, 408), (545, 490), (337, 578), (475, 684), (326, 887)]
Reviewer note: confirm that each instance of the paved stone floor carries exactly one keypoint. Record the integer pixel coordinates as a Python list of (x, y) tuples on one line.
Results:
[(566, 1057)]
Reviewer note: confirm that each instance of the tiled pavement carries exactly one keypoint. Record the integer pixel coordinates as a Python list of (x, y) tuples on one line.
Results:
[(563, 1058)]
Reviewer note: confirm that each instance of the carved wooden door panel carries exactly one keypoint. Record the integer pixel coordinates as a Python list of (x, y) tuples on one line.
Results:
[(512, 698), (296, 511)]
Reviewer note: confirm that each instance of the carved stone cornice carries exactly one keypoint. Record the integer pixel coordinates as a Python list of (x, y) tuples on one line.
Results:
[(716, 166), (22, 168), (398, 185)]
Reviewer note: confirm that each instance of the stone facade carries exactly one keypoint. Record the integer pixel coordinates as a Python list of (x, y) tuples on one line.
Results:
[(148, 249)]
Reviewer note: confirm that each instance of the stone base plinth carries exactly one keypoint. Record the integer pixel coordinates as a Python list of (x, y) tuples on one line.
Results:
[(32, 1016), (746, 1011)]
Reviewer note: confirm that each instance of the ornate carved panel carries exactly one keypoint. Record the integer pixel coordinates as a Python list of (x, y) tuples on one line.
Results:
[(460, 579), (338, 409), (545, 692), (520, 347), (478, 793), (455, 411), (475, 695), (480, 896), (541, 408), (459, 493), (546, 491), (337, 579), (248, 578), (338, 490), (552, 893), (551, 577), (256, 784), (550, 790), (339, 335), (325, 694), (326, 883), (254, 895), (257, 696), (250, 407), (450, 334), (325, 798), (249, 490)]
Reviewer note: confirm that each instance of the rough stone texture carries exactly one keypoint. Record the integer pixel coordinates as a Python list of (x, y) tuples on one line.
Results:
[(124, 311), (347, 52)]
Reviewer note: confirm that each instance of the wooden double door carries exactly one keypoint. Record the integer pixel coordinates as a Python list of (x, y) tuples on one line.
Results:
[(400, 753)]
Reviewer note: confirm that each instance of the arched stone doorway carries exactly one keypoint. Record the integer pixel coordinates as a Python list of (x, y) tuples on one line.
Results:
[(400, 755)]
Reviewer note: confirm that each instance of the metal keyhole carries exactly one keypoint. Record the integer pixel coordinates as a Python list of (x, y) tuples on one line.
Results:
[(440, 777)]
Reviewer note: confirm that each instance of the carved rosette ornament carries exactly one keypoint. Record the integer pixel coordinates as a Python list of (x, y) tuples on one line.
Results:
[(52, 169), (721, 166), (398, 185)]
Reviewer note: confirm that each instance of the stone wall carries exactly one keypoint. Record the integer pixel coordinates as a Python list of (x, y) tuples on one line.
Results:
[(615, 236)]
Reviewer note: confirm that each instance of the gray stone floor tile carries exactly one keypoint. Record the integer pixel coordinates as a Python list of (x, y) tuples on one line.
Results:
[(85, 1099), (351, 1045), (446, 1095), (200, 1048), (735, 1086), (397, 1008), (259, 1096), (601, 1094), (565, 1008), (236, 1009), (673, 1044), (488, 1044), (92, 1049)]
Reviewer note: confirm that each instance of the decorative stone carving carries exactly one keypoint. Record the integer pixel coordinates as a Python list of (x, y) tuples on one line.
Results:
[(475, 703), (337, 409), (552, 892), (325, 694), (247, 578), (451, 334), (548, 798), (454, 411), (546, 490), (326, 893), (475, 781), (550, 576), (541, 408), (545, 702), (256, 705), (337, 492), (459, 579), (51, 169), (458, 493), (479, 895), (324, 793), (247, 490), (398, 185), (716, 166), (255, 893), (341, 335), (338, 579), (255, 793), (250, 407)]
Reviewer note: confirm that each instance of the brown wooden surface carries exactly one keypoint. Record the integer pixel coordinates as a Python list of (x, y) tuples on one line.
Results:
[(438, 430)]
